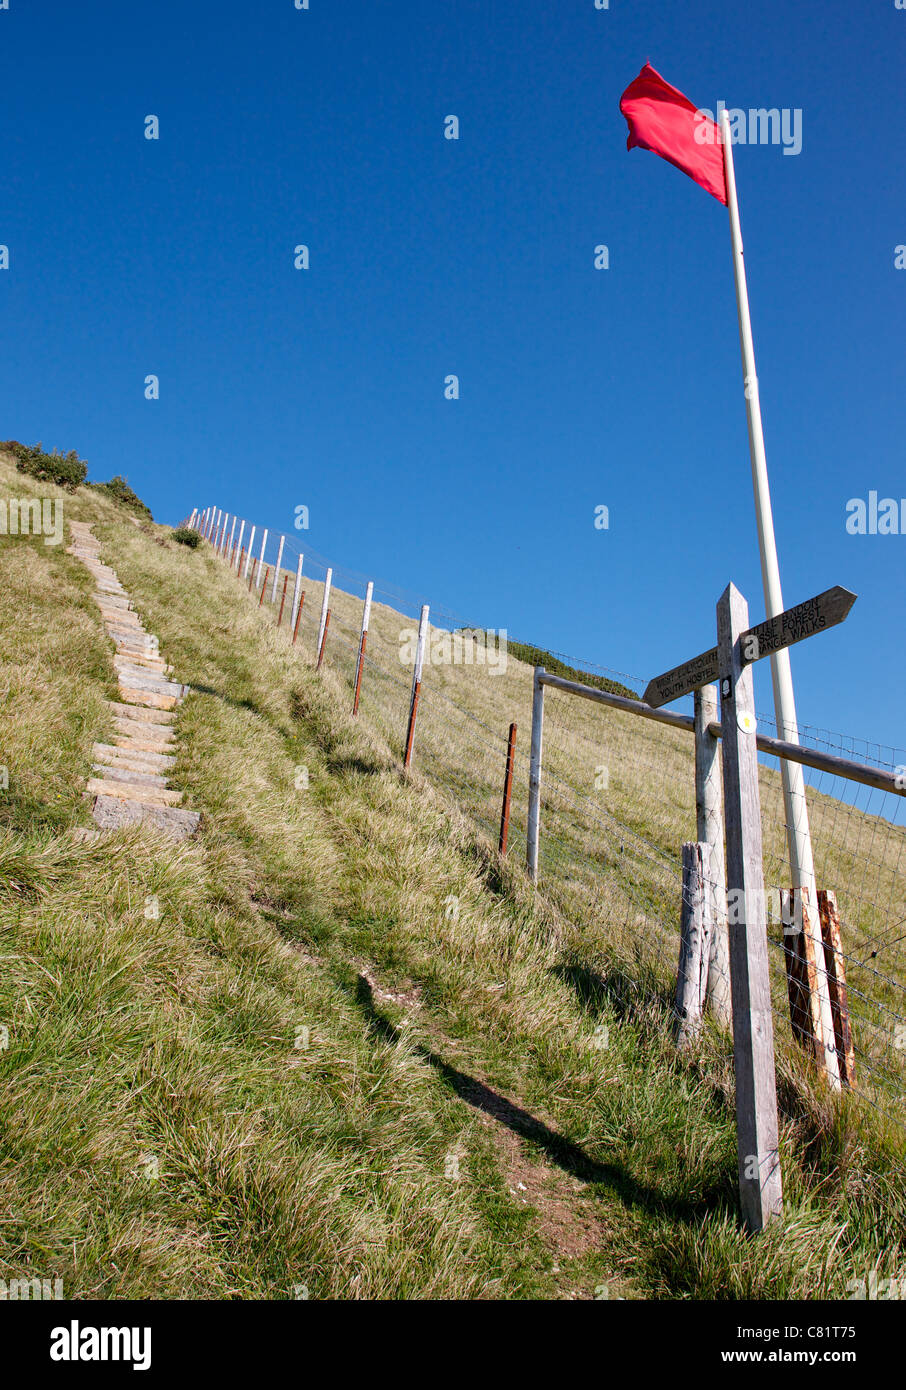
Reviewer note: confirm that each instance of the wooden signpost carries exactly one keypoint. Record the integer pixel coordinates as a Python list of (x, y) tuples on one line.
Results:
[(730, 663), (758, 1158), (815, 615)]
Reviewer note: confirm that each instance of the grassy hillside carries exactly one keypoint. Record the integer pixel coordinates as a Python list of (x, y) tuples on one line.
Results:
[(333, 1046)]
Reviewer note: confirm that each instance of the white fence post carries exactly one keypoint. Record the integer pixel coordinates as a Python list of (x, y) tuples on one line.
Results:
[(533, 824), (258, 574), (324, 602), (248, 557), (416, 683), (277, 569), (296, 588), (228, 550), (239, 544), (366, 617), (760, 1188)]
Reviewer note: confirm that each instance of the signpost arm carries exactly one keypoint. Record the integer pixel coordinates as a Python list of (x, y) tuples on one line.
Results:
[(797, 822), (753, 1035)]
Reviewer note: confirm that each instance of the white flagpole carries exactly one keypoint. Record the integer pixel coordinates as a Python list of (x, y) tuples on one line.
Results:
[(796, 811)]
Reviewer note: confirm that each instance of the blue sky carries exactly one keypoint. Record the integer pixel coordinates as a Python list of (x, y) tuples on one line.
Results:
[(429, 256)]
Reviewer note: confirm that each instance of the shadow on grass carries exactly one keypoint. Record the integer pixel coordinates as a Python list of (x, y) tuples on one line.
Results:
[(567, 1155), (618, 990)]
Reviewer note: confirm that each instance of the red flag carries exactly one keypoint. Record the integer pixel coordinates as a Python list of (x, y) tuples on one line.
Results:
[(662, 120)]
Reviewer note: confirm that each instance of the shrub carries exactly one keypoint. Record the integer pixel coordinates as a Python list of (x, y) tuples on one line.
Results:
[(121, 492), (186, 536), (66, 470)]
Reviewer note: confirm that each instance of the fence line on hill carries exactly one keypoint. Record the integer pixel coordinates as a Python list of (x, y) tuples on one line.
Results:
[(613, 824)]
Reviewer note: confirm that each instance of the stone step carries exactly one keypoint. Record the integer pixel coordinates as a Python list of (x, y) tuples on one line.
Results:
[(156, 733), (149, 699), (117, 602), (144, 680), (140, 661), (136, 777), (128, 740), (116, 813), (134, 646), (119, 755), (135, 791), (146, 716)]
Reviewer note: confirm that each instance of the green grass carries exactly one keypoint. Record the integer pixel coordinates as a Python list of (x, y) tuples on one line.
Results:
[(453, 1128)]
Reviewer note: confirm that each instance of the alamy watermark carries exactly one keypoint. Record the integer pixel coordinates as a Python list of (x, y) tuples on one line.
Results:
[(466, 647), (759, 125), (876, 517), (32, 516)]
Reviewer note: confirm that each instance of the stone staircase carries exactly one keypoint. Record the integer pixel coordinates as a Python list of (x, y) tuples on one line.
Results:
[(130, 782)]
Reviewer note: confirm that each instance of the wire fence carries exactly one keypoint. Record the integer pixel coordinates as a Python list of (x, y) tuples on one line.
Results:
[(618, 802)]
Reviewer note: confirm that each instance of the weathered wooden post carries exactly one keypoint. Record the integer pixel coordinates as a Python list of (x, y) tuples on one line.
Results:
[(282, 599), (264, 586), (298, 617), (801, 952), (696, 926), (836, 983), (710, 831), (325, 601), (277, 569), (760, 1187), (507, 790), (416, 684), (323, 638), (533, 824), (360, 663), (296, 590)]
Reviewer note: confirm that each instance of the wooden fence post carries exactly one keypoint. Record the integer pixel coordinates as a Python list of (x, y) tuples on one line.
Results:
[(416, 684), (710, 831), (298, 617), (323, 639), (282, 599), (277, 569), (366, 615), (801, 954), (325, 600), (760, 1187), (248, 558), (836, 983), (507, 790), (533, 823), (296, 590), (264, 586), (696, 925)]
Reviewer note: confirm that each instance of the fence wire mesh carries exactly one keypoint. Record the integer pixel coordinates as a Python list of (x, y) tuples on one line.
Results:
[(618, 800)]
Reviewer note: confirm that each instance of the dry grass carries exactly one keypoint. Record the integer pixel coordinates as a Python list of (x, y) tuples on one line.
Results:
[(164, 1134)]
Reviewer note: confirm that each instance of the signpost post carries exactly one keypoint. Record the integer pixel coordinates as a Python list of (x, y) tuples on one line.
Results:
[(730, 663)]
